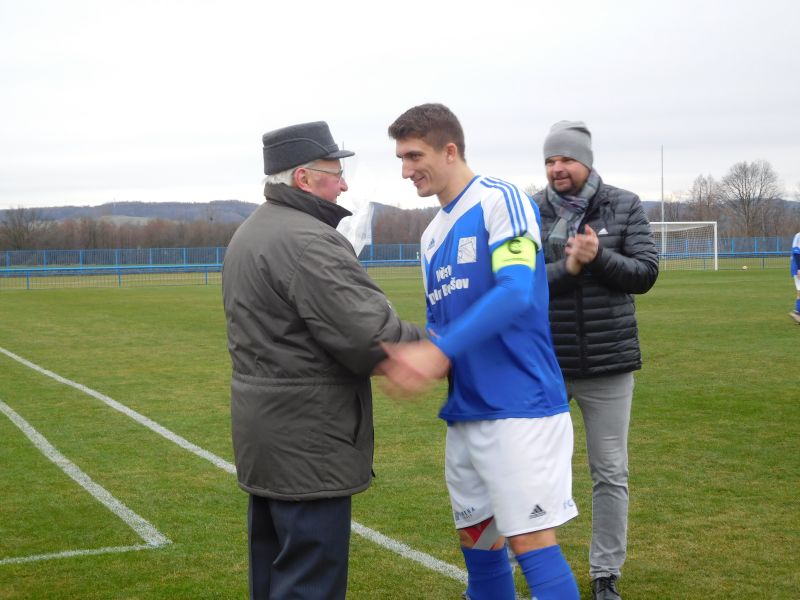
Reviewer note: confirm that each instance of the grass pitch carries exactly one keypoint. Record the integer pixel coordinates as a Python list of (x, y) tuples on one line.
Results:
[(715, 451)]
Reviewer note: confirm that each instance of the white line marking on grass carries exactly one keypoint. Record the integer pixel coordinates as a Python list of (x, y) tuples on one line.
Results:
[(426, 560), (434, 564), (139, 418), (69, 553), (151, 536)]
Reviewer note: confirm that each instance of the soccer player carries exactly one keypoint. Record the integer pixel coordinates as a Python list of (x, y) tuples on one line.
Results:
[(795, 266), (509, 436)]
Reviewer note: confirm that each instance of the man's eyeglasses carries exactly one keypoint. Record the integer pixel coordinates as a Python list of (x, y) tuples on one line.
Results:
[(338, 174)]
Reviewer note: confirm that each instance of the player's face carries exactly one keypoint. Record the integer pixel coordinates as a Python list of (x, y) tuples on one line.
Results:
[(326, 180), (424, 165), (566, 175)]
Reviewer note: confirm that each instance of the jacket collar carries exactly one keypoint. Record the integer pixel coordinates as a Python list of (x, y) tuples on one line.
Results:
[(284, 195)]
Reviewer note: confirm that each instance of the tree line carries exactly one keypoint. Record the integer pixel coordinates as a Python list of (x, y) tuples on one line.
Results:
[(25, 229), (747, 202)]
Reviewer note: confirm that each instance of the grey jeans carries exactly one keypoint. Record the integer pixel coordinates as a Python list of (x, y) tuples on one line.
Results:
[(605, 404)]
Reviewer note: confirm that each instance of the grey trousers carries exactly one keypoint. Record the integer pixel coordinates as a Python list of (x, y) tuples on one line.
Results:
[(605, 404)]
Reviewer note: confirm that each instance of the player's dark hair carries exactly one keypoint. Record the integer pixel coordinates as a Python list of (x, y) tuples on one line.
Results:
[(435, 124)]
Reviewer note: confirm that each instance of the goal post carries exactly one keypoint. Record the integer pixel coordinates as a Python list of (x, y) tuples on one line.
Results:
[(686, 245)]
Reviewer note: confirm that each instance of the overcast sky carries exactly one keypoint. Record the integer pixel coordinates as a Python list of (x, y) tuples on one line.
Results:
[(164, 100)]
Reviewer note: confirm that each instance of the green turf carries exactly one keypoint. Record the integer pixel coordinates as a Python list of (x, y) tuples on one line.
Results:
[(715, 452)]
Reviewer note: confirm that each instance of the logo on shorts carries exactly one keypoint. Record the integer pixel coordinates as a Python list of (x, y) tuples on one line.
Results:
[(537, 512), (464, 514)]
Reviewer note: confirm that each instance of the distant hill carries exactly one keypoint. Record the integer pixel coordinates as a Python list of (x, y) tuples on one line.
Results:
[(221, 211), (139, 213)]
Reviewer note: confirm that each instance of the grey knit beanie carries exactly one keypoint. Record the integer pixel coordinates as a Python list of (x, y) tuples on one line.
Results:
[(571, 139)]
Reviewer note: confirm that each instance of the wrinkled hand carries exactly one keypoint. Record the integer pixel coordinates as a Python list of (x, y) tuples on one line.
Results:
[(581, 250), (411, 367)]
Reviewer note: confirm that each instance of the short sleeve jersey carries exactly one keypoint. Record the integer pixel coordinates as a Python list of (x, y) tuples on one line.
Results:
[(513, 374)]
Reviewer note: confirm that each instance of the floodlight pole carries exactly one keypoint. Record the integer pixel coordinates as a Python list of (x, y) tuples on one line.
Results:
[(662, 183), (663, 223)]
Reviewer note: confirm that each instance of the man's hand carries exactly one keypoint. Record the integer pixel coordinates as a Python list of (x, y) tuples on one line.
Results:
[(581, 250), (412, 366)]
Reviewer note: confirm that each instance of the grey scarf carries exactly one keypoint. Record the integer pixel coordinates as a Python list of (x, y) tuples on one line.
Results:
[(570, 211)]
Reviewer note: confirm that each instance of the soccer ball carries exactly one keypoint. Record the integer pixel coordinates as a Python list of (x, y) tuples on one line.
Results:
[(744, 267)]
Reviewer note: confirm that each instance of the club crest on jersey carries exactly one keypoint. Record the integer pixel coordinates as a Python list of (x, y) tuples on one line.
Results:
[(467, 250)]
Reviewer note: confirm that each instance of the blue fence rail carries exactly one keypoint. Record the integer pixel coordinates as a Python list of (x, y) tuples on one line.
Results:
[(135, 266), (11, 259), (111, 257), (108, 276)]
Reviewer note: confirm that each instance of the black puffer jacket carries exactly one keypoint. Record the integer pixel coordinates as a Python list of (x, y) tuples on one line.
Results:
[(592, 314)]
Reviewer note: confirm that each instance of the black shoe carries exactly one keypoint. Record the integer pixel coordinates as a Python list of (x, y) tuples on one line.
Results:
[(605, 588)]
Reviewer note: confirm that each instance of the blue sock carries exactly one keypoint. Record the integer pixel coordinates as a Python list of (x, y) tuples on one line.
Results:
[(548, 574), (797, 305), (490, 576)]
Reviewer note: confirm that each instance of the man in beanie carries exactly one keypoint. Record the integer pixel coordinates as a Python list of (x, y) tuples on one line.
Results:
[(305, 323), (599, 250)]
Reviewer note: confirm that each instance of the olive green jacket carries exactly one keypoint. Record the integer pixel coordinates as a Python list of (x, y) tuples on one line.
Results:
[(304, 324)]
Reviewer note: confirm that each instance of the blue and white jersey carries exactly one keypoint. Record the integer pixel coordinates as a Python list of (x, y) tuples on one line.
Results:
[(513, 374), (796, 255)]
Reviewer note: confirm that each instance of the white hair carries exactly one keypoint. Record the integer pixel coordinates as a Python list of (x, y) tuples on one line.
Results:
[(287, 176)]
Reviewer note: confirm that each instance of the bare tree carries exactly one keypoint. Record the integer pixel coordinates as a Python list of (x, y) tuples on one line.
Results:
[(703, 202), (531, 189), (674, 210), (20, 227), (747, 192)]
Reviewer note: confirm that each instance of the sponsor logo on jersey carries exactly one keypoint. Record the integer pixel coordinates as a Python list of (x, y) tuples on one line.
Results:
[(447, 284)]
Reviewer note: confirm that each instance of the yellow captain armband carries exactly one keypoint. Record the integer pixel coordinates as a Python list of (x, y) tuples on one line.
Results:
[(516, 251)]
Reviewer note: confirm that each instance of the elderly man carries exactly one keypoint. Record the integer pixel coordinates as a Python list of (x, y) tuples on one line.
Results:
[(305, 323), (599, 250)]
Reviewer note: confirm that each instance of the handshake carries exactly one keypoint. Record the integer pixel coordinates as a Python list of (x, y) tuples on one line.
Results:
[(411, 367)]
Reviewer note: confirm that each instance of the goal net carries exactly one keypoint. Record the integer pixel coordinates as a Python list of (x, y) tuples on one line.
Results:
[(686, 245)]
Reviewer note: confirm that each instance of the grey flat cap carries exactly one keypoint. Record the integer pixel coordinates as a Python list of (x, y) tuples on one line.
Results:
[(298, 144)]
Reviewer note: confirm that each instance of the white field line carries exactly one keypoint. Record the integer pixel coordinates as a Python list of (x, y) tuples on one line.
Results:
[(139, 418), (143, 528), (421, 558), (69, 553)]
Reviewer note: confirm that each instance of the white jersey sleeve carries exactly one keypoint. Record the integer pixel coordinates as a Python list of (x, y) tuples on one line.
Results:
[(508, 213)]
